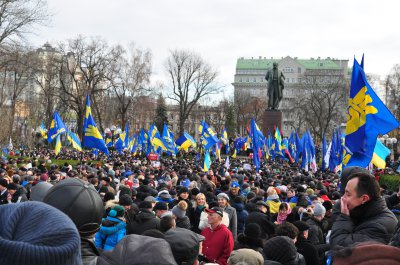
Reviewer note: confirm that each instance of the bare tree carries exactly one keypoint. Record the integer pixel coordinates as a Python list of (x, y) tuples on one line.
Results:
[(17, 73), (18, 17), (83, 69), (128, 75), (46, 76), (191, 79), (322, 100), (392, 86)]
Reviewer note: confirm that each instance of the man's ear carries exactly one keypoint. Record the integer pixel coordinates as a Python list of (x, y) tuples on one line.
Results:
[(365, 198)]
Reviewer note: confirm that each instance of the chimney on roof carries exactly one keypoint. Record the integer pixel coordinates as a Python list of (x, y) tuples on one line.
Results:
[(252, 58), (260, 57), (264, 58)]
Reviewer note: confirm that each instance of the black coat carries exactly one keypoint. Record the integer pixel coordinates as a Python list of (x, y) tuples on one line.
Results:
[(144, 221), (194, 215), (262, 219), (378, 223), (308, 250), (3, 198), (89, 252)]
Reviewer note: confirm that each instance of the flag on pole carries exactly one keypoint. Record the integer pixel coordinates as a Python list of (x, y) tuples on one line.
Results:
[(367, 117), (92, 137)]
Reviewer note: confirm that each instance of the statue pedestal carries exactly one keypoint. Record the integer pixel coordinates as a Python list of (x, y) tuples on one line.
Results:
[(270, 119)]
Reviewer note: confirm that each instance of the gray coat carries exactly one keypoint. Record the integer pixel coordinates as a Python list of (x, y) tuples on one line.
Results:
[(378, 224), (232, 220)]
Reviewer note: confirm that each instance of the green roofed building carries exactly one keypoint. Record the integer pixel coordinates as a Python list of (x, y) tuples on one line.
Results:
[(250, 84)]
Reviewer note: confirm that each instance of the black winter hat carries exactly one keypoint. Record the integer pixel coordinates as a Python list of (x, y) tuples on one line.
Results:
[(301, 225), (125, 200), (3, 182), (145, 205), (80, 201), (280, 249), (252, 230)]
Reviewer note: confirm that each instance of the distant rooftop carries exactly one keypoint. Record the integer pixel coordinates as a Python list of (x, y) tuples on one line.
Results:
[(264, 63)]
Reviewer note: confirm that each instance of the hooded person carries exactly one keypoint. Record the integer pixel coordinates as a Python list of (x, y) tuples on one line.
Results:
[(34, 233), (81, 202), (112, 230), (139, 250)]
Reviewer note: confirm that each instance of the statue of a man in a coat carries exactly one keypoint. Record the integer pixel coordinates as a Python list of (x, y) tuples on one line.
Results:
[(275, 86)]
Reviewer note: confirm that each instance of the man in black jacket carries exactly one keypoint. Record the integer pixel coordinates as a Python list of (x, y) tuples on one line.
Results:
[(260, 216), (144, 220), (364, 215)]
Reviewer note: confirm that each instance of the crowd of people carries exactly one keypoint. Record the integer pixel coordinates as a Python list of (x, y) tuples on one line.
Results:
[(126, 209)]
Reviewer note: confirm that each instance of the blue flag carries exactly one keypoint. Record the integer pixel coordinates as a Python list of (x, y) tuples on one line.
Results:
[(256, 138), (57, 127), (367, 117), (92, 137), (323, 152), (208, 135)]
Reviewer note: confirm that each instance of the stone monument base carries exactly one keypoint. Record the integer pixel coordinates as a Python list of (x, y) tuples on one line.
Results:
[(271, 119)]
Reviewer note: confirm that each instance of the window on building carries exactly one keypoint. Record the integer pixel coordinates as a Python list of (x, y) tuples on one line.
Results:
[(247, 80), (293, 81), (240, 80), (254, 80), (299, 70)]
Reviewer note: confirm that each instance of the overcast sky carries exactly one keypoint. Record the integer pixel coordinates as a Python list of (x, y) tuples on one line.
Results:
[(221, 31)]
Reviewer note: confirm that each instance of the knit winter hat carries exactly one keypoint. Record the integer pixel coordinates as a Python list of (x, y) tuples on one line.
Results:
[(35, 233), (319, 210), (117, 211), (252, 230), (280, 249), (245, 256), (125, 200), (179, 210)]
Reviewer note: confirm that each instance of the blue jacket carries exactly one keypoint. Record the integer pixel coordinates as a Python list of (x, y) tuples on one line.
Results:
[(112, 230), (241, 216)]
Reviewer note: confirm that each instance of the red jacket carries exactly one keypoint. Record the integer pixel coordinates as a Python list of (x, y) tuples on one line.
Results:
[(218, 244)]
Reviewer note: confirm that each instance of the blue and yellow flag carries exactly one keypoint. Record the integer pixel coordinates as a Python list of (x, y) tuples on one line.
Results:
[(185, 142), (155, 138), (92, 137), (207, 161), (58, 145), (225, 140), (43, 131), (380, 154), (367, 117), (209, 137), (73, 138), (168, 139), (57, 127)]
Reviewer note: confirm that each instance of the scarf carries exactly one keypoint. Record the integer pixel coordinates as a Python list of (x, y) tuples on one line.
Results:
[(282, 216)]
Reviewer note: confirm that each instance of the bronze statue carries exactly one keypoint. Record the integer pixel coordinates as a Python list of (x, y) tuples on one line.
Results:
[(275, 86)]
